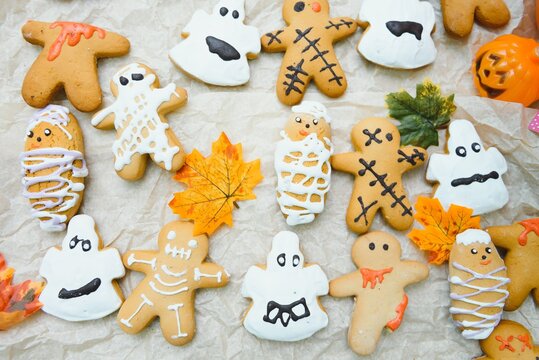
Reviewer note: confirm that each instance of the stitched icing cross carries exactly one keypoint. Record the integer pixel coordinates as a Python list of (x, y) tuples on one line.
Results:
[(294, 78), (505, 344), (338, 25), (275, 37), (525, 340), (364, 210), (411, 159), (372, 136)]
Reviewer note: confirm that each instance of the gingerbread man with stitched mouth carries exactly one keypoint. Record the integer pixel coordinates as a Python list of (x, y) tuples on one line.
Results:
[(308, 45), (378, 288), (378, 164)]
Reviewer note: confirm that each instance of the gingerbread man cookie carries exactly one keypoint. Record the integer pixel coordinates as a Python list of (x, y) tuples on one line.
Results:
[(510, 340), (378, 165), (308, 45), (138, 115), (378, 288), (69, 61), (521, 240), (459, 15), (173, 274)]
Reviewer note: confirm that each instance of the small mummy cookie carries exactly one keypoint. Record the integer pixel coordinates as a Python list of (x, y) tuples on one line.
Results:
[(53, 167), (478, 279), (397, 33), (302, 163), (173, 274), (459, 15), (81, 275), (138, 115), (216, 46), (378, 288), (285, 294), (469, 175), (69, 61), (510, 340)]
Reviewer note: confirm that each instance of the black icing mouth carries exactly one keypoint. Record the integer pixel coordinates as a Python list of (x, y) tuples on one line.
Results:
[(87, 289), (475, 178), (398, 28), (294, 311), (222, 49)]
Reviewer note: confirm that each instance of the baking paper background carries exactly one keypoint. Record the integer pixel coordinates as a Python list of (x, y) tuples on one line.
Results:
[(129, 215)]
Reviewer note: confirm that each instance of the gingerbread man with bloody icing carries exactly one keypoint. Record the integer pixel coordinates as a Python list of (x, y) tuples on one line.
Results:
[(378, 288), (308, 45), (68, 60)]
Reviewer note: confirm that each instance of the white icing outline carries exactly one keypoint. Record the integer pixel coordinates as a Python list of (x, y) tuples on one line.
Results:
[(145, 301), (167, 284), (175, 308), (132, 259), (171, 273), (55, 115), (197, 274), (167, 293)]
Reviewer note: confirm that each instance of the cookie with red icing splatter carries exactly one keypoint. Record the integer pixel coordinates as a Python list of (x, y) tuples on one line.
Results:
[(68, 60), (510, 340)]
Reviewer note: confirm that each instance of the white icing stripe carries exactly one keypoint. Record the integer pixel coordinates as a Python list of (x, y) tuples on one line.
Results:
[(173, 250), (171, 273), (197, 275), (313, 108), (167, 293), (131, 260), (145, 301), (164, 283), (55, 115), (175, 308)]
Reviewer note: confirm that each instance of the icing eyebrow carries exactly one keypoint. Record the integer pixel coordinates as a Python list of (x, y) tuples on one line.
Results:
[(137, 77)]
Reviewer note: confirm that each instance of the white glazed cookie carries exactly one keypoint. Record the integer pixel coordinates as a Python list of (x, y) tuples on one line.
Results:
[(398, 33), (285, 294), (80, 276), (469, 175), (216, 46)]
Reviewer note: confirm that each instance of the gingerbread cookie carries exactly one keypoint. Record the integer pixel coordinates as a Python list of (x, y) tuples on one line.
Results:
[(81, 275), (216, 46), (138, 115), (478, 281), (510, 340), (302, 163), (173, 274), (378, 288), (521, 240), (308, 45), (397, 33), (459, 15), (285, 294), (68, 61), (378, 165), (469, 175), (53, 167)]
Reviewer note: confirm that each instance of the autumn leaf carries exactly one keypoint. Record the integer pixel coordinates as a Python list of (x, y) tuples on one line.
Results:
[(214, 185), (440, 227), (17, 302)]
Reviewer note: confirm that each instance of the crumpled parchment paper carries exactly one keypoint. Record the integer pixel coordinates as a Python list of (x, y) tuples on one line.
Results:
[(129, 215)]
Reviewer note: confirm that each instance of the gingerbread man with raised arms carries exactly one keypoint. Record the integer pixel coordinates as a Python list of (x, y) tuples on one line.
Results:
[(378, 288), (308, 45)]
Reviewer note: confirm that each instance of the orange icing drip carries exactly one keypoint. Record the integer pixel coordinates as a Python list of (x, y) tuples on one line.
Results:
[(71, 32), (529, 226), (401, 308), (505, 344), (525, 340), (373, 276)]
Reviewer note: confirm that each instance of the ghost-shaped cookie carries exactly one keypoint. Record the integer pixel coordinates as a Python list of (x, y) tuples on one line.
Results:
[(216, 46), (284, 293), (469, 175), (81, 275)]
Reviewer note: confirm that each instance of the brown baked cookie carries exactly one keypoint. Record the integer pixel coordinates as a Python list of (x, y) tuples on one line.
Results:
[(378, 164), (68, 60), (459, 15), (308, 45), (510, 340)]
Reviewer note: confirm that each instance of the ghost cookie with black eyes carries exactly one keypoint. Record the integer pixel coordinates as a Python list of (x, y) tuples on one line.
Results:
[(138, 115), (216, 46), (81, 275), (469, 175)]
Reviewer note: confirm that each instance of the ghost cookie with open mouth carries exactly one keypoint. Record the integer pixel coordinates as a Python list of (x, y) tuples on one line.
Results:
[(216, 46), (81, 275)]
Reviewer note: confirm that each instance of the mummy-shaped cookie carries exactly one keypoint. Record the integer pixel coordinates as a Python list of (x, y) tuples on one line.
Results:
[(478, 279), (285, 294), (398, 33), (469, 175), (216, 46), (53, 167), (302, 163), (81, 275)]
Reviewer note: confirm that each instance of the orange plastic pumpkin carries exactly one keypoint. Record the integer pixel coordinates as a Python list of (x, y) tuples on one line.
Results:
[(508, 69)]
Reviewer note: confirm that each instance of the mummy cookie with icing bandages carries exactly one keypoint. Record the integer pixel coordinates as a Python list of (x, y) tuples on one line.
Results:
[(397, 33), (285, 294), (216, 46)]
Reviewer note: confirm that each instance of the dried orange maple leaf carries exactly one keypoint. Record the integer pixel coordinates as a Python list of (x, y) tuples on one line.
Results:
[(214, 185), (17, 302), (441, 227)]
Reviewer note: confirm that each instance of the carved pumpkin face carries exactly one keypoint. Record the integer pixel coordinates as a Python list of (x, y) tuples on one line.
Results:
[(508, 69)]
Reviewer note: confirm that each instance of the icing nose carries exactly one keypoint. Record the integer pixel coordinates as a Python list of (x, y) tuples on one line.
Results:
[(483, 257), (38, 139), (316, 7), (307, 126)]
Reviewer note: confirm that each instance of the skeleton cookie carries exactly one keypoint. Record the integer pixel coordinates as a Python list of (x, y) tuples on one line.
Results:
[(217, 46), (378, 288), (53, 167), (138, 115), (378, 165), (308, 45), (302, 163), (173, 274), (510, 340), (285, 294), (469, 175), (81, 275)]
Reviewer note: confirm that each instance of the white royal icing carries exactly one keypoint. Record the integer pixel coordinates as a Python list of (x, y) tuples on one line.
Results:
[(313, 108), (55, 115), (473, 236), (382, 46), (193, 54)]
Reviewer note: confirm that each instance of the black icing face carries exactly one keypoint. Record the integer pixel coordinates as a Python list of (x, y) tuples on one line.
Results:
[(286, 313), (482, 254), (462, 151), (85, 245), (292, 261), (299, 6), (376, 137), (224, 11)]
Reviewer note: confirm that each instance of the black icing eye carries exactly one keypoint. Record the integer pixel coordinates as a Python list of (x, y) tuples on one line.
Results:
[(476, 147), (299, 7), (223, 11), (474, 251), (386, 247), (389, 137), (124, 81), (295, 260), (281, 259), (73, 242), (47, 132), (298, 120), (315, 121), (461, 151), (372, 246), (488, 250), (137, 77), (30, 134), (235, 14), (86, 245)]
